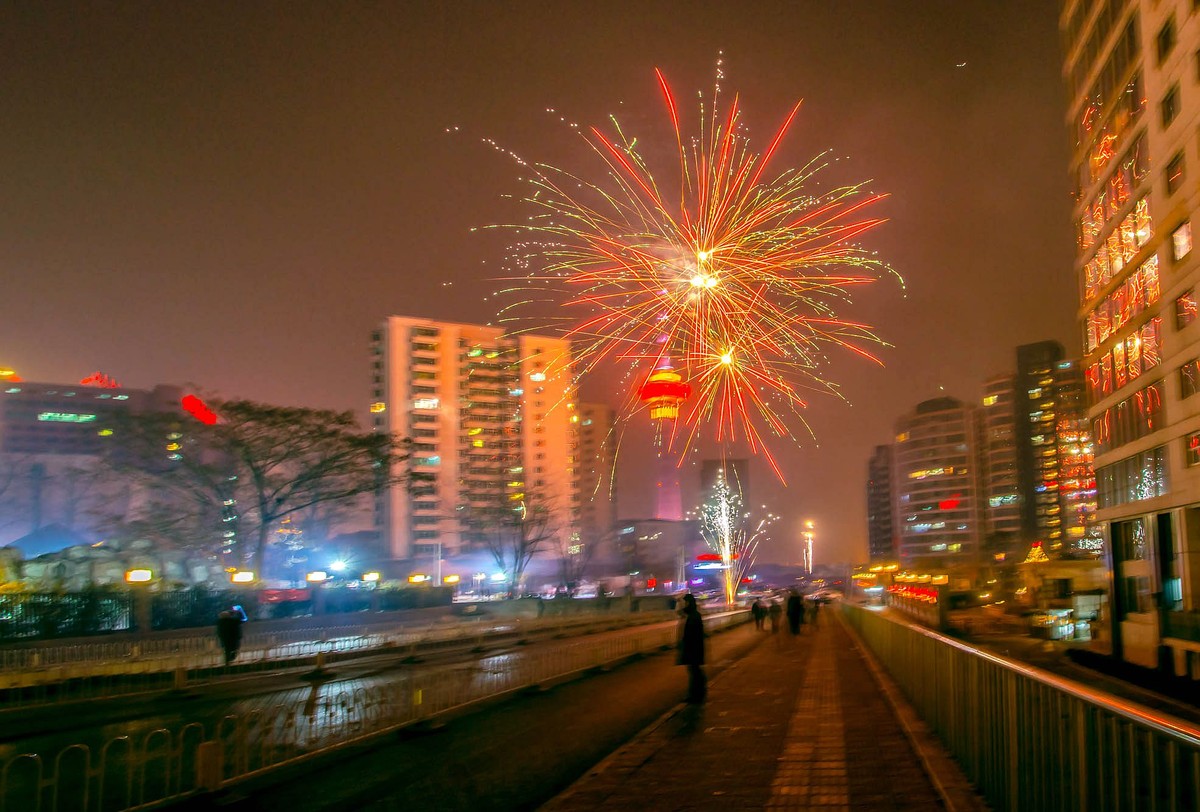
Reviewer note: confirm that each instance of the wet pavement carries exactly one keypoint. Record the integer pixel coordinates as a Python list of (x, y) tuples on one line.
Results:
[(799, 724)]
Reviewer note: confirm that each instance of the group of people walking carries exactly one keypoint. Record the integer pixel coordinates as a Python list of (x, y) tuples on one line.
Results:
[(797, 613), (691, 632)]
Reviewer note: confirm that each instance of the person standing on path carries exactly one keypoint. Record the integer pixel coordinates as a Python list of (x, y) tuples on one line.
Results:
[(776, 613), (229, 631), (759, 613), (691, 649), (795, 612)]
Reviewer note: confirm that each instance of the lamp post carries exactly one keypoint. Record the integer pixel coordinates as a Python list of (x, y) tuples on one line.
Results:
[(139, 579)]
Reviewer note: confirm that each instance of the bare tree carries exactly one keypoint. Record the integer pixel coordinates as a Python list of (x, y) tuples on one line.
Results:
[(574, 553), (258, 464), (513, 531)]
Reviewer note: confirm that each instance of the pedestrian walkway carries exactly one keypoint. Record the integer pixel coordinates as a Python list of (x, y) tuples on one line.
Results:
[(799, 723)]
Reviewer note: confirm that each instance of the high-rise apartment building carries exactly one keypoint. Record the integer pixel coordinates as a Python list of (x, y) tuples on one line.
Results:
[(936, 486), (1000, 489), (881, 538), (596, 461), (1130, 68), (492, 421)]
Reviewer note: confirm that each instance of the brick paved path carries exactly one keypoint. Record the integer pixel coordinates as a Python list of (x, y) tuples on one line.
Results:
[(800, 723)]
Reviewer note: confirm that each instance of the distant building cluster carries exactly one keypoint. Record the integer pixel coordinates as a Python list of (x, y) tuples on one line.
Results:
[(965, 486)]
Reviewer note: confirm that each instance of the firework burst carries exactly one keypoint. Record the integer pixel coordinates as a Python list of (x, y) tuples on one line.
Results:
[(727, 265)]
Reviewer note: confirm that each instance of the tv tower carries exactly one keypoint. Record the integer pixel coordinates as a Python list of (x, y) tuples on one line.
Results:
[(663, 392)]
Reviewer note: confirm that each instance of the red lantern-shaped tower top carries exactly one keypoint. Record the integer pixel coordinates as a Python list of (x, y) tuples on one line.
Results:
[(663, 392)]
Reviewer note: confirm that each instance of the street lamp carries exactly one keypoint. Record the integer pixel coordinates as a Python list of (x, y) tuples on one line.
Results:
[(138, 576)]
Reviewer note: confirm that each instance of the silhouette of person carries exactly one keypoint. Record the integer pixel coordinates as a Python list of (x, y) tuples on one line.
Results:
[(795, 612), (776, 613), (759, 613), (691, 649), (229, 631)]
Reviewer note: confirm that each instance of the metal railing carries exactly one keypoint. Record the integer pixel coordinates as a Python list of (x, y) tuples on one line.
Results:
[(163, 765), (1030, 740), (47, 674)]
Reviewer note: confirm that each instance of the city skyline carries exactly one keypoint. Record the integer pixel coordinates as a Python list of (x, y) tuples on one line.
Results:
[(234, 198)]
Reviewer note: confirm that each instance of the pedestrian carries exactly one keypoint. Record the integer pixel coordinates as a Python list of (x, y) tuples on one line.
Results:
[(759, 613), (795, 612), (691, 649), (229, 631), (816, 610), (776, 613)]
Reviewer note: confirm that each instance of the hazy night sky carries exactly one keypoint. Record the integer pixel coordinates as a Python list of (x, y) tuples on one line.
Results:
[(233, 195)]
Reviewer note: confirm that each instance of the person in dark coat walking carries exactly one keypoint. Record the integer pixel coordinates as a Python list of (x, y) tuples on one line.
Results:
[(229, 631), (691, 649), (759, 613), (795, 612), (776, 613)]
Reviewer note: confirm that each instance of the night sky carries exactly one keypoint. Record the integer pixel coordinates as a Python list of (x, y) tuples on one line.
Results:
[(233, 195)]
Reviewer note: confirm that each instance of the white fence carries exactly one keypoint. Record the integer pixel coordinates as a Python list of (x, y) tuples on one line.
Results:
[(48, 674), (128, 773)]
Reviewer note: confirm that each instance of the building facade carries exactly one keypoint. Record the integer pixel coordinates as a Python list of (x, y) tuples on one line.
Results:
[(493, 425), (53, 439), (881, 536), (597, 496), (936, 487), (1000, 489), (1134, 108)]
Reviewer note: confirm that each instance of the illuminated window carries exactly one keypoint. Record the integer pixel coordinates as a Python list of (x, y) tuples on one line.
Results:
[(1185, 309), (1181, 242), (1174, 173), (1189, 379), (1191, 449)]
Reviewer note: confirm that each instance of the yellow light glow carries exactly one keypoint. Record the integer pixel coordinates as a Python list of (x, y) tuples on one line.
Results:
[(138, 576), (697, 281), (242, 577), (105, 432), (702, 256), (370, 576), (378, 406), (173, 446), (727, 358), (316, 577), (710, 281), (419, 578), (7, 372), (450, 579)]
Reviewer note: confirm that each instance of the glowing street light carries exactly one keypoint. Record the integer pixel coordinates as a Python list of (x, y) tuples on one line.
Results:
[(138, 576), (370, 576), (242, 577), (316, 577)]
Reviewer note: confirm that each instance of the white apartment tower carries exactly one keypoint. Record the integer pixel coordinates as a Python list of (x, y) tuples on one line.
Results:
[(936, 486), (1133, 83), (998, 456), (492, 420), (596, 455)]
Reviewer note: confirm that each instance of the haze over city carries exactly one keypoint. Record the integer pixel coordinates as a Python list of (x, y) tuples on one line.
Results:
[(234, 197)]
